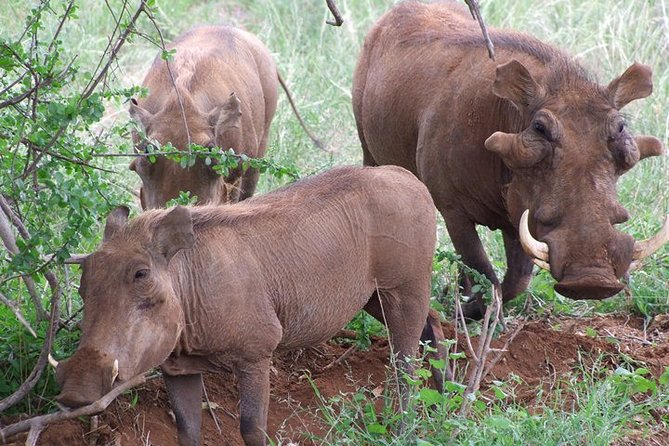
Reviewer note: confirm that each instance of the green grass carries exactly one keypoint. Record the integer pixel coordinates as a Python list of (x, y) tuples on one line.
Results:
[(589, 406)]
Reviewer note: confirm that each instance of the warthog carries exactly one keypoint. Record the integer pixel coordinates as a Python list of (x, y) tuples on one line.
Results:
[(198, 289), (218, 90), (492, 139)]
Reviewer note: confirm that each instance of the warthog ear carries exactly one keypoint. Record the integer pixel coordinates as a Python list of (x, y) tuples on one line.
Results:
[(174, 232), (648, 146), (514, 83), (139, 114), (115, 221), (635, 83), (226, 116)]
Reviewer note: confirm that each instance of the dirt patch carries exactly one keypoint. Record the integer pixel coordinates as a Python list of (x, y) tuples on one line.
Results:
[(542, 353)]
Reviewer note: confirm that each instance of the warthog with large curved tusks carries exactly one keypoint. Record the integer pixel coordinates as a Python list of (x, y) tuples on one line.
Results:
[(198, 289), (492, 139), (218, 90)]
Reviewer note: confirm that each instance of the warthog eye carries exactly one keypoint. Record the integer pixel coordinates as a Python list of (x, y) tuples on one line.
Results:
[(621, 127), (540, 128), (141, 274)]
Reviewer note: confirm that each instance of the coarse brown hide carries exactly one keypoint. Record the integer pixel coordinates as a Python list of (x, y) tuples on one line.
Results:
[(219, 90), (490, 139), (211, 287)]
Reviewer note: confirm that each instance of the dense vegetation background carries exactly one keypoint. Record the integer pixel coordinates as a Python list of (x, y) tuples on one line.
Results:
[(67, 69)]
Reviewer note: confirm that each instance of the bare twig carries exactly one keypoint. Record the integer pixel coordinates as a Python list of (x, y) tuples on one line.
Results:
[(34, 434), (504, 349), (162, 47), (112, 53), (460, 316), (11, 85), (338, 20), (311, 136), (209, 406), (336, 361), (476, 13), (390, 344), (93, 408), (45, 151), (477, 372), (62, 21), (17, 312), (9, 241), (95, 423)]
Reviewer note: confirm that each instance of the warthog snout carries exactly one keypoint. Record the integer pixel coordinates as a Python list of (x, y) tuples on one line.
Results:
[(85, 378), (596, 284)]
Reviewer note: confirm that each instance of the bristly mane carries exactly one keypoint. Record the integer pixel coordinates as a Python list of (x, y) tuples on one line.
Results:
[(308, 195), (455, 27)]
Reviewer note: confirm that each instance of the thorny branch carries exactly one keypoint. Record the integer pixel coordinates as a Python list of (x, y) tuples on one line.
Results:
[(476, 13), (338, 20)]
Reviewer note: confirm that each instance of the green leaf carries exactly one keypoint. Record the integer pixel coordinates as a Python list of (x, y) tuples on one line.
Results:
[(437, 363), (168, 54), (430, 396), (376, 428)]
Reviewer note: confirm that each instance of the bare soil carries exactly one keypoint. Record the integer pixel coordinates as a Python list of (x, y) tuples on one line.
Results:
[(543, 353)]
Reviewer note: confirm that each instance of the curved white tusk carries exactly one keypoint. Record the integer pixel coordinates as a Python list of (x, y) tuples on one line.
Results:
[(114, 371), (647, 247), (542, 264), (52, 361), (533, 247)]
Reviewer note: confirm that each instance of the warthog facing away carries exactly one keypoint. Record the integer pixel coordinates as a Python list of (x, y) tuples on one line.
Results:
[(197, 289), (491, 139), (219, 90)]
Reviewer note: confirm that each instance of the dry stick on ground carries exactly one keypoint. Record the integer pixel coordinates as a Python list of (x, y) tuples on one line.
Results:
[(37, 423), (344, 355), (476, 373), (332, 6), (476, 13), (211, 410)]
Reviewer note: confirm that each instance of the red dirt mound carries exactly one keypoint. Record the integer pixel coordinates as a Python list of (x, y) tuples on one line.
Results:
[(542, 352)]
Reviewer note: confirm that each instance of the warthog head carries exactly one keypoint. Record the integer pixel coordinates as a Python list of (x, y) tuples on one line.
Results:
[(565, 164), (132, 317), (179, 123)]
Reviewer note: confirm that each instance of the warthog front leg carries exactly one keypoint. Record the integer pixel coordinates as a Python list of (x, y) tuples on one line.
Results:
[(468, 244), (254, 401), (185, 392)]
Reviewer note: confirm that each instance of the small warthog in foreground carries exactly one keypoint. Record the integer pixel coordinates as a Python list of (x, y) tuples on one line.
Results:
[(219, 90), (197, 289), (492, 139)]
